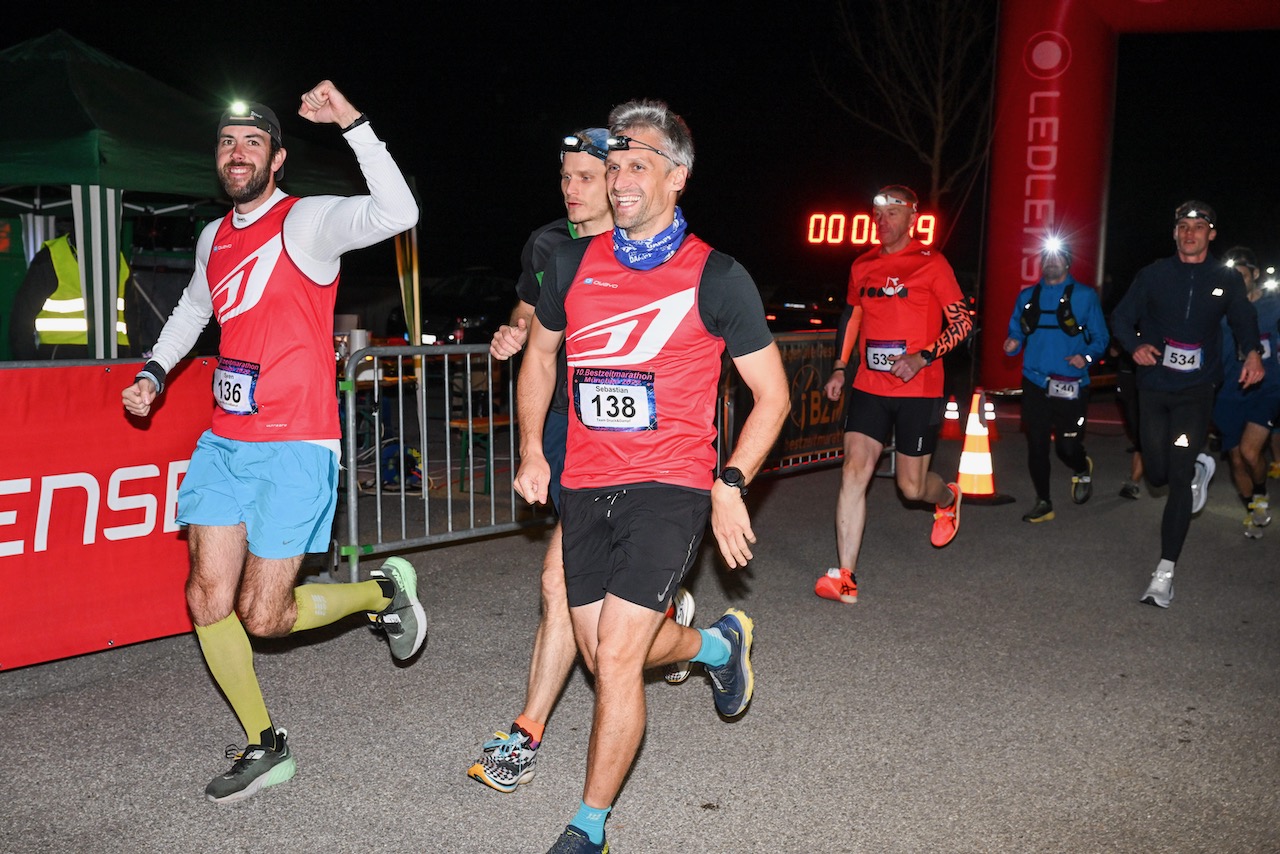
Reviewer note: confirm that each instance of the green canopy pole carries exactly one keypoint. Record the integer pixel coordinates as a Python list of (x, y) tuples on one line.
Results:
[(97, 212)]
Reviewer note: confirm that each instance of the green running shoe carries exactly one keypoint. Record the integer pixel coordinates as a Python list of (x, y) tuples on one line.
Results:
[(256, 767), (404, 620)]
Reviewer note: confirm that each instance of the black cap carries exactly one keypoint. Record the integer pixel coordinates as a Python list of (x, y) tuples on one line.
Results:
[(1196, 210), (252, 115)]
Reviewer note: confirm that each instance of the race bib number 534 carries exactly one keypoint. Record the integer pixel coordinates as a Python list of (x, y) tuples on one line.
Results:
[(611, 399)]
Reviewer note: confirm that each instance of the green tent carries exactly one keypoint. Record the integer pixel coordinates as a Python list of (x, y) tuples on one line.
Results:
[(87, 131)]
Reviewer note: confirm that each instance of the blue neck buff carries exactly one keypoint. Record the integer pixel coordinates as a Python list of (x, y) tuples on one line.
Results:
[(647, 254)]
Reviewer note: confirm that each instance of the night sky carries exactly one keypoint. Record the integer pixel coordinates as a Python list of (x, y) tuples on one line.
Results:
[(472, 101)]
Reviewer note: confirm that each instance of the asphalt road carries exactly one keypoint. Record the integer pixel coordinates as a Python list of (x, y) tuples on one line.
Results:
[(1005, 694)]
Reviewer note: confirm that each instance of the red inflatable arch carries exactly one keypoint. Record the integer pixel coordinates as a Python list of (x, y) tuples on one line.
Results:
[(1052, 137)]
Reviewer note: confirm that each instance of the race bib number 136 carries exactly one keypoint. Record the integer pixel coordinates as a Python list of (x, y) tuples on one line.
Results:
[(234, 385), (609, 399)]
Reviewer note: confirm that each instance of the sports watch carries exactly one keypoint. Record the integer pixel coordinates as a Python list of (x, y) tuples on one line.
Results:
[(928, 357), (733, 477)]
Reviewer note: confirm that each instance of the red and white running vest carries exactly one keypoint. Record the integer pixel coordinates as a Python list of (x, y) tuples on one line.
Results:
[(276, 375), (643, 372)]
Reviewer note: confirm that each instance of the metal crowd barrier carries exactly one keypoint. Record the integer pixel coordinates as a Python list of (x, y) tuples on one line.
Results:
[(429, 450), (430, 441)]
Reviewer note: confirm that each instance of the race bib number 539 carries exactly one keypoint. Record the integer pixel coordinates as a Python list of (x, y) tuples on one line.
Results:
[(611, 399)]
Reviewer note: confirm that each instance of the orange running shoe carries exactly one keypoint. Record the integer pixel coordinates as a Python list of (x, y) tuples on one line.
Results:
[(838, 584), (946, 520)]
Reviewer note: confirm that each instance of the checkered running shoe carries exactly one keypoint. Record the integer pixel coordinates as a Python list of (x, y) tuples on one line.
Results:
[(404, 620), (838, 584), (681, 611), (506, 761), (256, 767)]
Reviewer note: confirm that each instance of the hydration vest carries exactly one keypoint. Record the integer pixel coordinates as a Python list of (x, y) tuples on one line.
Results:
[(1066, 318)]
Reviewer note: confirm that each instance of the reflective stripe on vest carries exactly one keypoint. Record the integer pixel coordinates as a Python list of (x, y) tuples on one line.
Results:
[(62, 319)]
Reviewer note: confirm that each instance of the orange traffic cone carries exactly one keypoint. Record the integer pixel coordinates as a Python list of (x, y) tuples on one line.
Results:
[(976, 478), (989, 413), (951, 421)]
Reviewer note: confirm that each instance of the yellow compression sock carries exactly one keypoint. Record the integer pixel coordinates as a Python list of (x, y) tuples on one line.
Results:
[(322, 604), (230, 658)]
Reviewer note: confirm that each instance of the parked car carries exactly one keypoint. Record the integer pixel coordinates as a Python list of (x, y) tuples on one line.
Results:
[(467, 307), (799, 316)]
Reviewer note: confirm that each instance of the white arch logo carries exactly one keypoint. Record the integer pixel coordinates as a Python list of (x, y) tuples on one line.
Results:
[(633, 337), (242, 288)]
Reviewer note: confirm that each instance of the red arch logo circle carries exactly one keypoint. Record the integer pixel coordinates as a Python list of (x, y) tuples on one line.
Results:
[(1046, 55)]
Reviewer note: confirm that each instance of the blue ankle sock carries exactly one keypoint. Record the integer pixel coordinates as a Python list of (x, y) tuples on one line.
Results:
[(591, 822), (714, 650)]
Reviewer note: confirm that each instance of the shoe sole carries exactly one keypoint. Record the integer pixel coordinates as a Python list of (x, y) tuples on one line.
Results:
[(956, 528), (747, 636), (407, 580), (846, 598), (1149, 598), (1048, 517), (282, 773), (679, 672), (478, 773)]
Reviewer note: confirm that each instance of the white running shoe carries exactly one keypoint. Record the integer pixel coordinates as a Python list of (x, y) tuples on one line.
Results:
[(1160, 590), (1205, 467), (683, 605)]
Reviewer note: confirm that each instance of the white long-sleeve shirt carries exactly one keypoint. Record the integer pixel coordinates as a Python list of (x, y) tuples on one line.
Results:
[(317, 232)]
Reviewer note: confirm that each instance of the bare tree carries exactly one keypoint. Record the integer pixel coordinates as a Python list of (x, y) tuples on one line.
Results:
[(923, 77)]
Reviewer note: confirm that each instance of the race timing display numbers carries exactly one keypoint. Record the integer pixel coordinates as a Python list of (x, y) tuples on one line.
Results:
[(859, 229)]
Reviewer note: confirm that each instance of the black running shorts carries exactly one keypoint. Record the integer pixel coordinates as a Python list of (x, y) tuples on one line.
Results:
[(636, 542), (910, 423)]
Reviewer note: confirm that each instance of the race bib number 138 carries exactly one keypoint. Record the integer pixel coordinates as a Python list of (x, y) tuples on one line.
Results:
[(610, 399)]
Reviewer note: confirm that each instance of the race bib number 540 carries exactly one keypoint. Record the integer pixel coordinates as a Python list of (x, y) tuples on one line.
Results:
[(611, 399)]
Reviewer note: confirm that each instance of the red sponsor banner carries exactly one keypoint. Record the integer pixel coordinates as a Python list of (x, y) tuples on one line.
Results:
[(90, 555)]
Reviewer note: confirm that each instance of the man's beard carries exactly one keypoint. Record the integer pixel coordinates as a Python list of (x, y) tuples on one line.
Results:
[(249, 192)]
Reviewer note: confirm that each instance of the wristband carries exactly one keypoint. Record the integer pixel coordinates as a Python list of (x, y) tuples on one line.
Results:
[(361, 119), (833, 370), (153, 371)]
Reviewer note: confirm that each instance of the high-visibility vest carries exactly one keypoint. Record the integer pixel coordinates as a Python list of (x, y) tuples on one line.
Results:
[(62, 319)]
